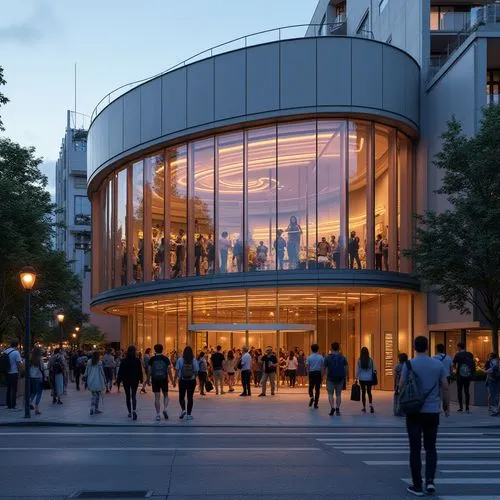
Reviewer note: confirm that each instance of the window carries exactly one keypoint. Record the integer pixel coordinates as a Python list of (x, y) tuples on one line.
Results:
[(80, 183), (382, 5), (450, 18), (363, 28), (82, 211)]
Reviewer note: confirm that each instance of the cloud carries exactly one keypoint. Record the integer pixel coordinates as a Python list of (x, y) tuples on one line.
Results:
[(30, 30)]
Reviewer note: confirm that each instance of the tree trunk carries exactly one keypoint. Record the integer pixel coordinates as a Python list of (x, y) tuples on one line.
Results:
[(494, 338)]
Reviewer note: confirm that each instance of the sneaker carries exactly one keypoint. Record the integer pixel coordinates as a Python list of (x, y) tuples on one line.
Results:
[(372, 410), (130, 415), (337, 411), (59, 402), (134, 416), (32, 407), (460, 410), (91, 411), (332, 412), (467, 411), (38, 412), (262, 395), (243, 394), (107, 391), (158, 418), (315, 406), (418, 492), (363, 410), (311, 401), (183, 414), (189, 417), (430, 488), (165, 414), (98, 412)]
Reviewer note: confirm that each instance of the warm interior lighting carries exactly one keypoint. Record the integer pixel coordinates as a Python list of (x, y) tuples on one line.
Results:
[(28, 278)]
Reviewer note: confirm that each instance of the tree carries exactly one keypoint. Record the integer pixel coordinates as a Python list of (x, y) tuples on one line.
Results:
[(92, 335), (457, 252), (3, 99), (27, 229)]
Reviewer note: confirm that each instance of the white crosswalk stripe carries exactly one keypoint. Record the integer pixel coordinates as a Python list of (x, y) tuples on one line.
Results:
[(471, 459)]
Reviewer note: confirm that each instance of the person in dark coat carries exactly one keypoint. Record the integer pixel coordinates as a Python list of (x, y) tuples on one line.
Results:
[(130, 375)]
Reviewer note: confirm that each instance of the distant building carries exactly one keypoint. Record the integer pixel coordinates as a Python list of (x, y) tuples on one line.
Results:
[(73, 237)]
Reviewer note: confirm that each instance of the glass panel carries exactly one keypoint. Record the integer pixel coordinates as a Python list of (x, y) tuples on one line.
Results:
[(155, 179), (203, 197), (405, 192), (110, 236), (137, 221), (434, 18), (229, 204), (296, 184), (404, 325), (121, 229), (261, 195), (177, 166), (358, 163), (104, 237), (231, 307), (331, 192), (382, 158)]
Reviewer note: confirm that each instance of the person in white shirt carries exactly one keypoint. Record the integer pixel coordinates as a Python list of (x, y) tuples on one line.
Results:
[(445, 359), (13, 374), (246, 371), (293, 364), (314, 364), (224, 246)]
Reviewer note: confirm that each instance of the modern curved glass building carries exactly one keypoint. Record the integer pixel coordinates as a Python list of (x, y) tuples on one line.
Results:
[(262, 196)]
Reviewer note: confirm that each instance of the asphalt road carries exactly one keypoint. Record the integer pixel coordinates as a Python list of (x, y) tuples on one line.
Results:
[(275, 463)]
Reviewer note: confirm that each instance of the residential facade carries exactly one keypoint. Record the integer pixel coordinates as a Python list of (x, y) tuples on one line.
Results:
[(262, 195)]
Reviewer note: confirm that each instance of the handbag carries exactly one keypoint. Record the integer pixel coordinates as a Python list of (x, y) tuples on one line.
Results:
[(209, 386), (355, 392)]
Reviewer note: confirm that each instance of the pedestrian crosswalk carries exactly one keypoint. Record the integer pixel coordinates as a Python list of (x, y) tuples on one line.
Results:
[(469, 459)]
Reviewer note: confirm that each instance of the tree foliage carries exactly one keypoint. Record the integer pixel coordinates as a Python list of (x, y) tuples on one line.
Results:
[(3, 99), (457, 252)]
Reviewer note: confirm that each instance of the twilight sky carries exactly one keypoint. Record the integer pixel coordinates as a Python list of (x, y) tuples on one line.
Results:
[(113, 42)]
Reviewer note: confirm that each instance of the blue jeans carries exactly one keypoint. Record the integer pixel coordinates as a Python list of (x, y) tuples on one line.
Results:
[(36, 385), (493, 388), (223, 261), (108, 373)]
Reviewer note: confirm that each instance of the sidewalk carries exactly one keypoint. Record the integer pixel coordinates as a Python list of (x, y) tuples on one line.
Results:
[(229, 410)]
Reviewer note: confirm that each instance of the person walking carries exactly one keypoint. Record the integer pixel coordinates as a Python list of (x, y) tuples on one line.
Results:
[(336, 375), (80, 363), (465, 367), (301, 369), (57, 370), (245, 365), (15, 367), (160, 370), (292, 367), (493, 383), (445, 359), (96, 381), (230, 369), (314, 365), (203, 372), (269, 364), (187, 370), (130, 375), (108, 362), (37, 377), (217, 361), (398, 369), (432, 379), (365, 373), (145, 364)]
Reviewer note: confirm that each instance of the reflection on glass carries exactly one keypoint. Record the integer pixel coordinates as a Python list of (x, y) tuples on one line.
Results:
[(155, 181), (382, 212), (104, 236), (177, 166), (137, 221), (404, 210), (331, 195), (121, 229), (296, 191), (230, 203), (261, 194), (357, 191), (202, 164)]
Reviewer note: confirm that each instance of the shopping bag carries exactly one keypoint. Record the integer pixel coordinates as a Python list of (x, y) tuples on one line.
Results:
[(209, 386), (355, 392)]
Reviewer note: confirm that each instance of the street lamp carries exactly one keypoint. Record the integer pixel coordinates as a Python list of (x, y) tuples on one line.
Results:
[(60, 319), (28, 278)]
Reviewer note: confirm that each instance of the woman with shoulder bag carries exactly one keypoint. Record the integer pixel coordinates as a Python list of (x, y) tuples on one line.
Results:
[(96, 381), (203, 373), (130, 374), (36, 379), (187, 370), (367, 376), (229, 366)]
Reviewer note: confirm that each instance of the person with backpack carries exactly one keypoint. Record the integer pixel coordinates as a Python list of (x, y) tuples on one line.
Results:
[(160, 370), (130, 374), (398, 370), (422, 380), (145, 364), (445, 359), (203, 373), (11, 365), (187, 370), (57, 370), (366, 373), (217, 361), (336, 375), (96, 381), (465, 367), (80, 365), (493, 382), (108, 362)]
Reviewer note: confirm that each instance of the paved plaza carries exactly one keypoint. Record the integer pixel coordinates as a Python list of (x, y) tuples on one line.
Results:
[(286, 409)]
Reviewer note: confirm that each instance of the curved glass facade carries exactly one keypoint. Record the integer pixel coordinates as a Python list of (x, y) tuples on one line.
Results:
[(327, 194)]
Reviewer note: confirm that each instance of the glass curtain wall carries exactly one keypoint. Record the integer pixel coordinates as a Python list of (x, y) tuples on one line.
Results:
[(327, 194)]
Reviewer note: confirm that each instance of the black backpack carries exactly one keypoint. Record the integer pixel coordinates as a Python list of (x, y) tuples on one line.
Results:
[(5, 362), (411, 398), (159, 369)]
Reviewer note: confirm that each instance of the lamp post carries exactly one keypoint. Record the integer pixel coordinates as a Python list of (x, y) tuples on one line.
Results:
[(60, 319), (74, 339), (28, 278)]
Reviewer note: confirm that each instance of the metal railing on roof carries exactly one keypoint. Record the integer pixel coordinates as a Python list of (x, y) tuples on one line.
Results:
[(259, 38)]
